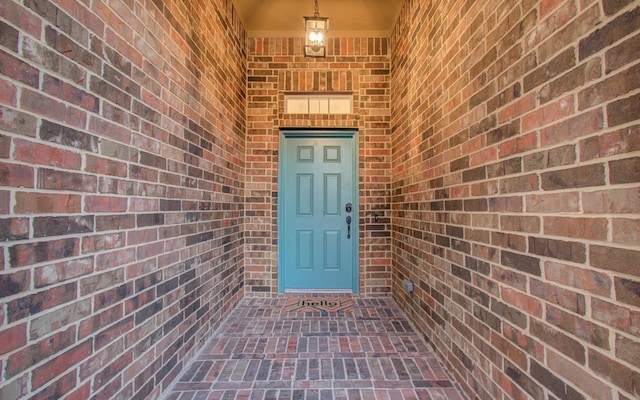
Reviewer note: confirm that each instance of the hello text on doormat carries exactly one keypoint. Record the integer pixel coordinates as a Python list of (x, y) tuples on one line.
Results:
[(320, 304)]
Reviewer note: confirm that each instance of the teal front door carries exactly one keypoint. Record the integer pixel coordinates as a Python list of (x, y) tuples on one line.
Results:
[(318, 204)]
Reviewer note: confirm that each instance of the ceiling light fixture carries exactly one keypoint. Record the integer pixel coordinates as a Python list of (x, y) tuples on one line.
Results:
[(316, 29)]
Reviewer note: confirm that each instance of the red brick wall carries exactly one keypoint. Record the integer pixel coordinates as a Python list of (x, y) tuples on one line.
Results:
[(277, 66), (121, 191), (516, 196)]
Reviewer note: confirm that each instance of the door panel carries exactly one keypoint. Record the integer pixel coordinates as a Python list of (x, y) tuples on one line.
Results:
[(317, 179)]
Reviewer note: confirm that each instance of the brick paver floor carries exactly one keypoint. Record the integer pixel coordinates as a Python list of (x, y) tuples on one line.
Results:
[(264, 352)]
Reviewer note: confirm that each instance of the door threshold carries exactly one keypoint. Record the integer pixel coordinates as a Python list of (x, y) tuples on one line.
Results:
[(318, 291)]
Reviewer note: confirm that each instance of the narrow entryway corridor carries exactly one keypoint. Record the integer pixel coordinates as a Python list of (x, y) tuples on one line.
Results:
[(265, 351)]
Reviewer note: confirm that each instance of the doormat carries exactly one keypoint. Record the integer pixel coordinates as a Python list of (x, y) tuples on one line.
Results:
[(327, 304)]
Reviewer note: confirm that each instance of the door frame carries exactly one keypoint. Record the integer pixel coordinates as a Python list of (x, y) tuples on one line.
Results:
[(339, 133)]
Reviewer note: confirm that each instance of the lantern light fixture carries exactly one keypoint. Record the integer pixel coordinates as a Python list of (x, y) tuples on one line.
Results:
[(315, 37)]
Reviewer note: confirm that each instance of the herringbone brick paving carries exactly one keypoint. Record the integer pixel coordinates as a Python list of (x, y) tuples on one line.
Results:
[(263, 352)]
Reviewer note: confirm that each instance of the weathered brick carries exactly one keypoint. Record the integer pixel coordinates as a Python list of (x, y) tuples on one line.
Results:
[(622, 54), (14, 339), (523, 380), (46, 10), (559, 249), (60, 180), (530, 265), (115, 258), (617, 316), (581, 228), (35, 353), (57, 226), (519, 184), (548, 114), (592, 333), (520, 223), (563, 62), (517, 108), (22, 255), (554, 383), (504, 132), (610, 143), (557, 157), (578, 126), (117, 78), (45, 203), (14, 68), (527, 304), (504, 98), (622, 201), (576, 78), (505, 204), (610, 33), (14, 283), (615, 259), (16, 175), (626, 231), (41, 301), (102, 204), (8, 93), (55, 133), (5, 202), (490, 319), (560, 341), (114, 222), (614, 86), (611, 7), (518, 145), (66, 46), (52, 109), (9, 37), (628, 291), (550, 22), (628, 350), (107, 91), (70, 94), (36, 153), (624, 171), (17, 122), (62, 271), (14, 229), (112, 296), (55, 367), (580, 278), (571, 31), (109, 129), (104, 166), (585, 381), (578, 177), (613, 371), (565, 298), (505, 167), (509, 241)]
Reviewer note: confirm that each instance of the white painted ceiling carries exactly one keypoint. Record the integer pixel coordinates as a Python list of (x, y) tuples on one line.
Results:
[(347, 18)]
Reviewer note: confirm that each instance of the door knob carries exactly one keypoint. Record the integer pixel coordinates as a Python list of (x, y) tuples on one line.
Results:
[(348, 226)]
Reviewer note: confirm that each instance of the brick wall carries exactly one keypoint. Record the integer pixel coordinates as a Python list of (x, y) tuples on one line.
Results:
[(121, 191), (516, 196), (354, 65)]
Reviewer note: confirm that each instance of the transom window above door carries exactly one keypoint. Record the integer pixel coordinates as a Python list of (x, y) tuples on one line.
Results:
[(307, 103)]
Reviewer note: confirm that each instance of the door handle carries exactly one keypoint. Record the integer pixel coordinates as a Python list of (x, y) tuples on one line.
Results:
[(348, 226)]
